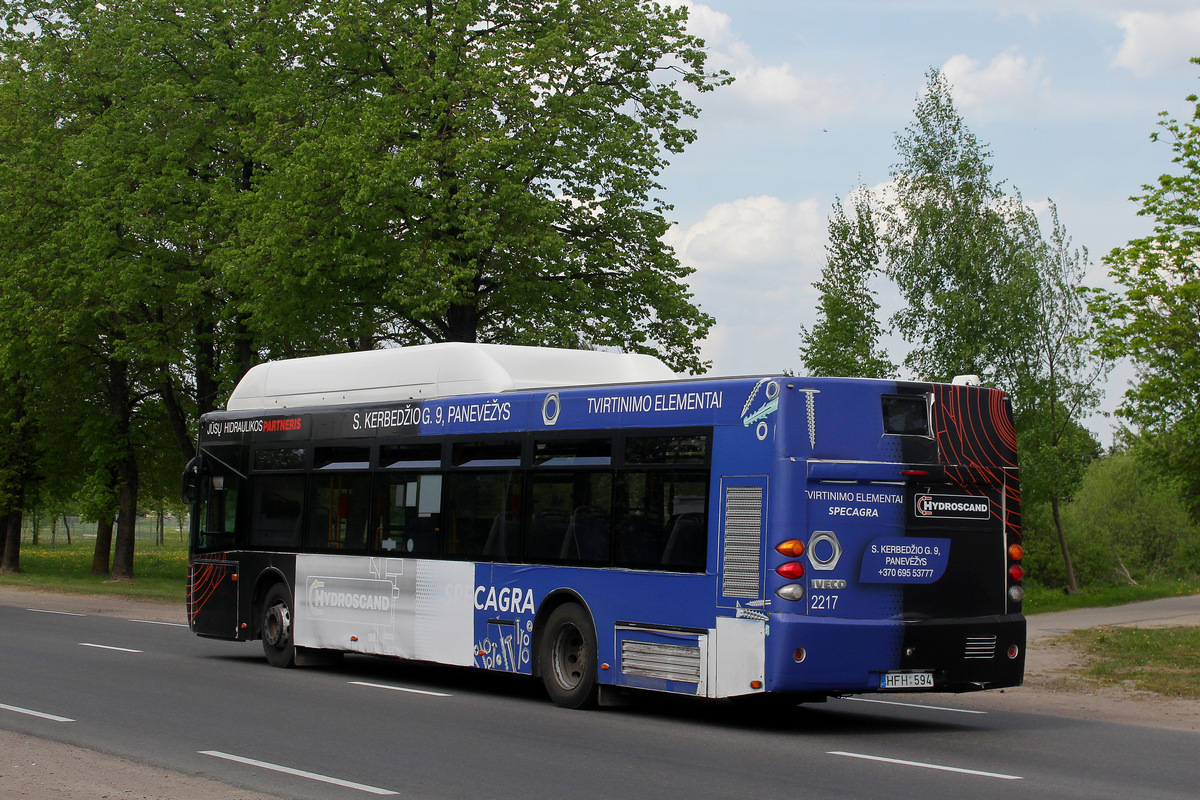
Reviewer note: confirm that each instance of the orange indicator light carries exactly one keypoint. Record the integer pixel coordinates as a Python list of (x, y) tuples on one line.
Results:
[(792, 548)]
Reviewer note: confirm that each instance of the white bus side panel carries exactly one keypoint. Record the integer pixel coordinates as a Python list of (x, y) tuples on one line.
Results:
[(741, 656), (403, 607)]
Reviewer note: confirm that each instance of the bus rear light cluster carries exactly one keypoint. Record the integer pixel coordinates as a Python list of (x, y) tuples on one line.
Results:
[(792, 591), (1016, 574), (792, 570)]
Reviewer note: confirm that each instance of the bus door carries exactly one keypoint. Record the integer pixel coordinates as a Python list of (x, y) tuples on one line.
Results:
[(211, 488)]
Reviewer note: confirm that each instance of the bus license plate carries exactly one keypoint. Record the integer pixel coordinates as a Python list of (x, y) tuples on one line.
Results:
[(906, 680)]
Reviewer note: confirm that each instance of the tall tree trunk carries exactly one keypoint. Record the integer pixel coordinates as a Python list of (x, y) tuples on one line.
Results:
[(104, 535), (122, 567), (462, 323), (104, 528), (1072, 586), (12, 543), (176, 417)]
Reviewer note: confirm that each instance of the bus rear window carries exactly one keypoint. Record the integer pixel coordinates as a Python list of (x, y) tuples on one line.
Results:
[(906, 415)]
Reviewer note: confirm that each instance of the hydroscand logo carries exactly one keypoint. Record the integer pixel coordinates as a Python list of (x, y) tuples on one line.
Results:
[(951, 506), (350, 599)]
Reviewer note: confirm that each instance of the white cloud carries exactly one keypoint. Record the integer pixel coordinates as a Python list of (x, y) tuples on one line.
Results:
[(751, 233), (1158, 42), (756, 259), (762, 89), (1010, 83)]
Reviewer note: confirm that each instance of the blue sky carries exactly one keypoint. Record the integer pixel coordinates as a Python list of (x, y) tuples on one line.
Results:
[(1064, 94)]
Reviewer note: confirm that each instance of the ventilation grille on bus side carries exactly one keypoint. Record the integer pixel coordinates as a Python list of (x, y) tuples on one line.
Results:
[(670, 662), (980, 647), (743, 541)]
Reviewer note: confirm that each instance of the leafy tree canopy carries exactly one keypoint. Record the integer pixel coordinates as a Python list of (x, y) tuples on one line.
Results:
[(844, 340), (1155, 321)]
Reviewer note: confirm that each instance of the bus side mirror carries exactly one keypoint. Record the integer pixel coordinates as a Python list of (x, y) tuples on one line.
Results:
[(195, 485)]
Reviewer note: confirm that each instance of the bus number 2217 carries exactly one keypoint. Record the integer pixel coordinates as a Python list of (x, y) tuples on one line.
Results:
[(823, 602)]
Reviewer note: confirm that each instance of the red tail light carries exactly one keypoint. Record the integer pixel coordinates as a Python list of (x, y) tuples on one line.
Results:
[(1016, 572), (791, 570)]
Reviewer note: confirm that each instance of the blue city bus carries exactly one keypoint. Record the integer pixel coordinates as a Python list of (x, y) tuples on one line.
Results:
[(592, 520)]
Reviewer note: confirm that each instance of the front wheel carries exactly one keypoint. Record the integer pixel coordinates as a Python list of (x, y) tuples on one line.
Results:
[(277, 639), (568, 657)]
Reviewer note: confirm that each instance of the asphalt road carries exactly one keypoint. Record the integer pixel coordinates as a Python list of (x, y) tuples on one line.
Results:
[(156, 694)]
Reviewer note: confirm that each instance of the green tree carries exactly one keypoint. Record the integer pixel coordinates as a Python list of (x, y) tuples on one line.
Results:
[(1128, 521), (1155, 320), (959, 248), (1058, 384), (476, 171), (845, 338), (987, 293), (117, 159)]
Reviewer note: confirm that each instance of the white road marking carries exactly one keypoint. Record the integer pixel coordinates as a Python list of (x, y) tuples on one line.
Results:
[(362, 787), (399, 689), (923, 765), (109, 647), (156, 622), (38, 714), (64, 613), (913, 705)]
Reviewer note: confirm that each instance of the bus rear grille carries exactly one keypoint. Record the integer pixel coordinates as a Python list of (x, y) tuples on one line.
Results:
[(980, 647), (670, 662), (743, 541)]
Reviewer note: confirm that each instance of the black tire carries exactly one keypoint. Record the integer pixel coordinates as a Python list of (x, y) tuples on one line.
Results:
[(278, 642), (568, 657)]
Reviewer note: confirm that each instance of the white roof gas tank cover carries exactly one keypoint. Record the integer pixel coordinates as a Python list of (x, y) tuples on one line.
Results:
[(433, 370)]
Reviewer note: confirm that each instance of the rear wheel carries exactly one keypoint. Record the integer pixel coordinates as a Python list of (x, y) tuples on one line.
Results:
[(568, 657), (277, 640)]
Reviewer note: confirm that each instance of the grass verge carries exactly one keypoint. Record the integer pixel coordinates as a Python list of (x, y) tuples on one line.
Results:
[(159, 571), (1162, 660), (1041, 600)]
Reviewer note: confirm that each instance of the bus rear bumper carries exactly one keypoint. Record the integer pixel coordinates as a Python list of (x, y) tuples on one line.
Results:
[(806, 654)]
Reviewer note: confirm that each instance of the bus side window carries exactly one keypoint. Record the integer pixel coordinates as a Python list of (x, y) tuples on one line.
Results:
[(338, 512), (663, 522), (276, 511), (407, 519), (570, 517), (482, 515)]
